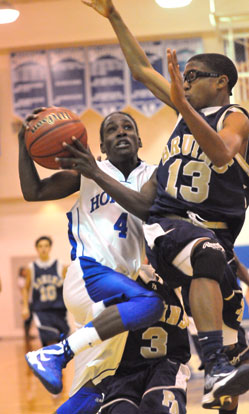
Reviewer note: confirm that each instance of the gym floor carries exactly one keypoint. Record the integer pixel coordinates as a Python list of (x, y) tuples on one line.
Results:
[(22, 393)]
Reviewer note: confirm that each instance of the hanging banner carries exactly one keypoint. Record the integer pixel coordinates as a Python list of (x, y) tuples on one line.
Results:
[(141, 98), (67, 69), (185, 49), (29, 81), (95, 77), (106, 78)]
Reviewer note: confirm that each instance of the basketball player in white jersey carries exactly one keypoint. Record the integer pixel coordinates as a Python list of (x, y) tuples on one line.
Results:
[(107, 252)]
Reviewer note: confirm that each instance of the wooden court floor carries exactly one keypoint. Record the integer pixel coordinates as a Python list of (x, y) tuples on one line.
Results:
[(22, 393)]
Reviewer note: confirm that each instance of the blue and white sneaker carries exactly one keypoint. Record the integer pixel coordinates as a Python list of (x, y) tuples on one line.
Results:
[(222, 381), (47, 364)]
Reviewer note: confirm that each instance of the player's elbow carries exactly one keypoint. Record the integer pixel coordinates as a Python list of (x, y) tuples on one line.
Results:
[(221, 162), (137, 76), (144, 212), (29, 196), (139, 72)]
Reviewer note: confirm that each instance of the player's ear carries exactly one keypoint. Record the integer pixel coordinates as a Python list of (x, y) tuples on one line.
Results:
[(222, 81), (140, 144), (102, 147)]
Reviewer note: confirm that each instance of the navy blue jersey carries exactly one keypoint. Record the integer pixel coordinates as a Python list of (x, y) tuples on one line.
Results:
[(167, 338), (188, 181), (46, 285)]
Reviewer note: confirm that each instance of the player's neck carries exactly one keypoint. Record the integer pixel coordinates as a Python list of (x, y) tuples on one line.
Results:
[(220, 100), (126, 167), (44, 258)]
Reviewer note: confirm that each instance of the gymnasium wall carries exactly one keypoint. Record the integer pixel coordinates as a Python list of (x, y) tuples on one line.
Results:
[(64, 23)]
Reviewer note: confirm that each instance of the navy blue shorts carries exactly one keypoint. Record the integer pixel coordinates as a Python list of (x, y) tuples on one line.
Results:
[(51, 324), (169, 245), (153, 388)]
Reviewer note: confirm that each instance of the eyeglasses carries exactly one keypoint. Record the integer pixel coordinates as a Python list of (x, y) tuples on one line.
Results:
[(193, 74)]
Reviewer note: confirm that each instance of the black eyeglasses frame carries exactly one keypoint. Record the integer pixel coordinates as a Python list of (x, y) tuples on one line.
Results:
[(199, 74)]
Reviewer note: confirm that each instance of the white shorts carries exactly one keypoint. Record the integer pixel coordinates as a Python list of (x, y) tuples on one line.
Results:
[(94, 363)]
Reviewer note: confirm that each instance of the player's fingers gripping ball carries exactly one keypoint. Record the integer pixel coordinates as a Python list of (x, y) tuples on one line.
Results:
[(48, 131)]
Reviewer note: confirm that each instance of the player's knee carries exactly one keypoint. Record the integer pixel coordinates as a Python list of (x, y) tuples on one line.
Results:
[(209, 260)]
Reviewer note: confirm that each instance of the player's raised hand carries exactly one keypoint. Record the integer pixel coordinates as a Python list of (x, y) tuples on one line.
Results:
[(82, 159), (177, 95), (25, 125), (103, 7)]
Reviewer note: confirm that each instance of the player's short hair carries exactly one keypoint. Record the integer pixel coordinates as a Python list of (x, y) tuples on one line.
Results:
[(44, 238), (218, 63), (101, 131)]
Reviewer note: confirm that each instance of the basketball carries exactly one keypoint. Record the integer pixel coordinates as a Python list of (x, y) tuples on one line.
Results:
[(48, 131)]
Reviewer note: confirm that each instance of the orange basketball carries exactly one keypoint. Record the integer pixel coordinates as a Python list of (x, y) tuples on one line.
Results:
[(48, 131)]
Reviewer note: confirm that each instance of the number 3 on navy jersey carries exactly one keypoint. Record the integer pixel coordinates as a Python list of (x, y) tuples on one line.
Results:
[(121, 225)]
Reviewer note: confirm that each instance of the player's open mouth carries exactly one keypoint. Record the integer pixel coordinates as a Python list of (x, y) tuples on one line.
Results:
[(123, 144)]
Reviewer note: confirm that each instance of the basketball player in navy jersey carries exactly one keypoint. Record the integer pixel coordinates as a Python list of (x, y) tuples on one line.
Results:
[(200, 194), (150, 374), (106, 241), (42, 294)]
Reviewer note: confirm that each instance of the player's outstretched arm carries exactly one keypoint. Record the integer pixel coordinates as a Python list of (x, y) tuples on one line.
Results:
[(219, 147), (57, 186), (137, 60), (82, 160)]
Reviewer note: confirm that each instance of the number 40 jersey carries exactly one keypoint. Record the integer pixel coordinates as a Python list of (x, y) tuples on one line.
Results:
[(101, 229)]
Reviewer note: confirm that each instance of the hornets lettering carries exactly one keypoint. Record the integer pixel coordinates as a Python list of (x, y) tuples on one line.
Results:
[(100, 200)]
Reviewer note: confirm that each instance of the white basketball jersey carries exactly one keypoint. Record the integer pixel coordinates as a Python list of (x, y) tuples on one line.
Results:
[(101, 229)]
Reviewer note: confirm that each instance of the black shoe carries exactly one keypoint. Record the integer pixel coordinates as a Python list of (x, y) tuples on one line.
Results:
[(222, 381), (237, 354)]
